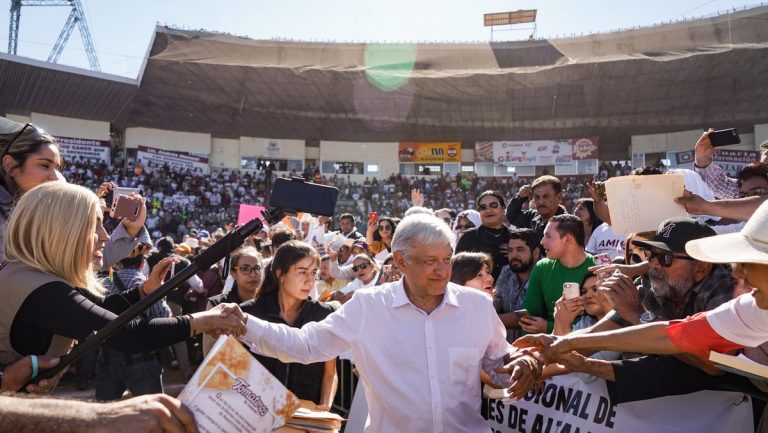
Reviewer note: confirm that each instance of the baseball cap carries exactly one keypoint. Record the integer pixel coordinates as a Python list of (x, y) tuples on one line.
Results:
[(204, 234), (674, 233)]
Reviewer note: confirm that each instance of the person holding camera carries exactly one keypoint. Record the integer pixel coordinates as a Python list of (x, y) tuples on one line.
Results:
[(52, 295), (29, 156)]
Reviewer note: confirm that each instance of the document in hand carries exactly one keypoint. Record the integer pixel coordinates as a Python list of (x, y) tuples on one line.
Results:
[(640, 203), (317, 421), (740, 365), (232, 393)]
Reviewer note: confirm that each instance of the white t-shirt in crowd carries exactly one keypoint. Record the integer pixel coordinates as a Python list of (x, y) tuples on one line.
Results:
[(603, 241), (740, 321)]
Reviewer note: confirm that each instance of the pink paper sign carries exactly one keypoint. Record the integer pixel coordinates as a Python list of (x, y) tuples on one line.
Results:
[(249, 212)]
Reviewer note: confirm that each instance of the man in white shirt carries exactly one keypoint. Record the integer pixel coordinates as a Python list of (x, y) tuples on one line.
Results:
[(419, 343)]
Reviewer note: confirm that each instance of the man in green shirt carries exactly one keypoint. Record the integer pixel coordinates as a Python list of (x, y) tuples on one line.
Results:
[(566, 262)]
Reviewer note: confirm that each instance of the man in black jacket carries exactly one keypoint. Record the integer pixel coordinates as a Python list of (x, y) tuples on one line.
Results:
[(547, 194)]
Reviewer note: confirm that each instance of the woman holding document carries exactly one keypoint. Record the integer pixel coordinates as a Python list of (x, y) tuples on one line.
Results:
[(284, 298)]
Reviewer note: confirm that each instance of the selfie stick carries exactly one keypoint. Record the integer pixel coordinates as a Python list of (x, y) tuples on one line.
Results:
[(205, 260)]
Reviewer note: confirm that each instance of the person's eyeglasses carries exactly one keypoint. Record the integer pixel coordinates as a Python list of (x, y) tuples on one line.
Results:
[(248, 270), (361, 267), (759, 191), (464, 226), (385, 227), (493, 205), (666, 259)]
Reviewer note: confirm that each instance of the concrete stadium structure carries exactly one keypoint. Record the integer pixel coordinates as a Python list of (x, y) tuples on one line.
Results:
[(207, 92)]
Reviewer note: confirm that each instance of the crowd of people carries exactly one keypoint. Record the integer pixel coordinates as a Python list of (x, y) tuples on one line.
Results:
[(524, 277)]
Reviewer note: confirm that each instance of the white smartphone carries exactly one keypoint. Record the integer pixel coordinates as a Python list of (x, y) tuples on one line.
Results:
[(571, 290)]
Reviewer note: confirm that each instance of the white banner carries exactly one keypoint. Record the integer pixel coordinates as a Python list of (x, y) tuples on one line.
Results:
[(176, 160), (568, 405), (542, 152), (81, 149)]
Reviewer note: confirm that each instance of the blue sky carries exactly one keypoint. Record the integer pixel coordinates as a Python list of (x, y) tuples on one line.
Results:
[(121, 31)]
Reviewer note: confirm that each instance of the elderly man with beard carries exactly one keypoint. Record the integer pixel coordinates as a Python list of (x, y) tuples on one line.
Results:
[(524, 251), (680, 286)]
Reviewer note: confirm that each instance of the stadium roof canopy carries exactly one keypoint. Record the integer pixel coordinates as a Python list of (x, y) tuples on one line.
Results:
[(698, 73), (28, 85)]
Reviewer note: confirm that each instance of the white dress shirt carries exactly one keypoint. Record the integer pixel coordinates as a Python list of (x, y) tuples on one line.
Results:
[(420, 371)]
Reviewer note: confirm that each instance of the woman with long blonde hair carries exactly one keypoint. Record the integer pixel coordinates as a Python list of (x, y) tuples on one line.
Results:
[(51, 295)]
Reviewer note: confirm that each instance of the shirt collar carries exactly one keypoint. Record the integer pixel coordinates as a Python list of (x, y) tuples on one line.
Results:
[(401, 298)]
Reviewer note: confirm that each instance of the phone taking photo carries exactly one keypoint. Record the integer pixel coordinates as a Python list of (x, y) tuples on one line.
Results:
[(724, 137), (571, 290), (125, 207)]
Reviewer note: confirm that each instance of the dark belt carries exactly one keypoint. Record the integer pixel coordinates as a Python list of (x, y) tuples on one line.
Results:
[(127, 358)]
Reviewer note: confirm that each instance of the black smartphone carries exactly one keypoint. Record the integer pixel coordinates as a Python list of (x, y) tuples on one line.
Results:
[(724, 137), (298, 195)]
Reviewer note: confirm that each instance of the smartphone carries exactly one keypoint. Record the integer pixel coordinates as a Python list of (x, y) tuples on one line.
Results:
[(603, 259), (125, 207), (118, 191), (373, 217), (724, 137), (571, 290), (297, 195), (600, 188), (522, 312)]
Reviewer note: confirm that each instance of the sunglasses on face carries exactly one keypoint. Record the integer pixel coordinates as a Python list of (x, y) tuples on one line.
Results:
[(493, 205), (447, 220), (248, 270), (665, 259), (361, 267), (385, 227)]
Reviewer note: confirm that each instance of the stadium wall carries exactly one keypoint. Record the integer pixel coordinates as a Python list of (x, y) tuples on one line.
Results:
[(67, 126), (225, 153), (761, 133), (382, 154), (178, 141)]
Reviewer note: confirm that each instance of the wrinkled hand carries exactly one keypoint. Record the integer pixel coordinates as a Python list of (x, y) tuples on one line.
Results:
[(550, 346), (523, 372), (623, 296), (223, 319), (148, 413), (572, 360), (533, 324), (704, 151), (416, 198), (134, 227), (157, 276), (20, 372), (693, 203)]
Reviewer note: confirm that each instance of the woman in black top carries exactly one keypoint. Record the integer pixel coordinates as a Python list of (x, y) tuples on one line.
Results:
[(491, 237), (55, 239), (284, 298)]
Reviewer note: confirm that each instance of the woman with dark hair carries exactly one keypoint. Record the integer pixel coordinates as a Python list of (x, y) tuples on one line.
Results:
[(473, 270), (585, 210), (491, 237), (284, 298), (379, 237), (29, 156)]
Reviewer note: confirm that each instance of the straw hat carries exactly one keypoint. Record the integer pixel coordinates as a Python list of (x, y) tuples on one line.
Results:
[(750, 245)]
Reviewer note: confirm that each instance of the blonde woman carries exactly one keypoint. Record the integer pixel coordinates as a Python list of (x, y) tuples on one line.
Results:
[(51, 295)]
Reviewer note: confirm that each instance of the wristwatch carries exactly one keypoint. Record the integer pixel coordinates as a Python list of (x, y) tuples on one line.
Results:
[(647, 317)]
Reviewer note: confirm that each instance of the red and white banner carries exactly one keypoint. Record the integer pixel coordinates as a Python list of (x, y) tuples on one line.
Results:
[(177, 160), (83, 149), (567, 404)]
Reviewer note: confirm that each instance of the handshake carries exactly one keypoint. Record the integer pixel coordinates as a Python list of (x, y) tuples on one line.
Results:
[(223, 319)]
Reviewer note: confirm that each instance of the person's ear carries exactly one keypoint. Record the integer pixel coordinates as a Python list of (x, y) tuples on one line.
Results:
[(399, 259), (8, 163), (701, 271)]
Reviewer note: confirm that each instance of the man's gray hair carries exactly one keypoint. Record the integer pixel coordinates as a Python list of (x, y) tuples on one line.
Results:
[(413, 210), (420, 229)]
